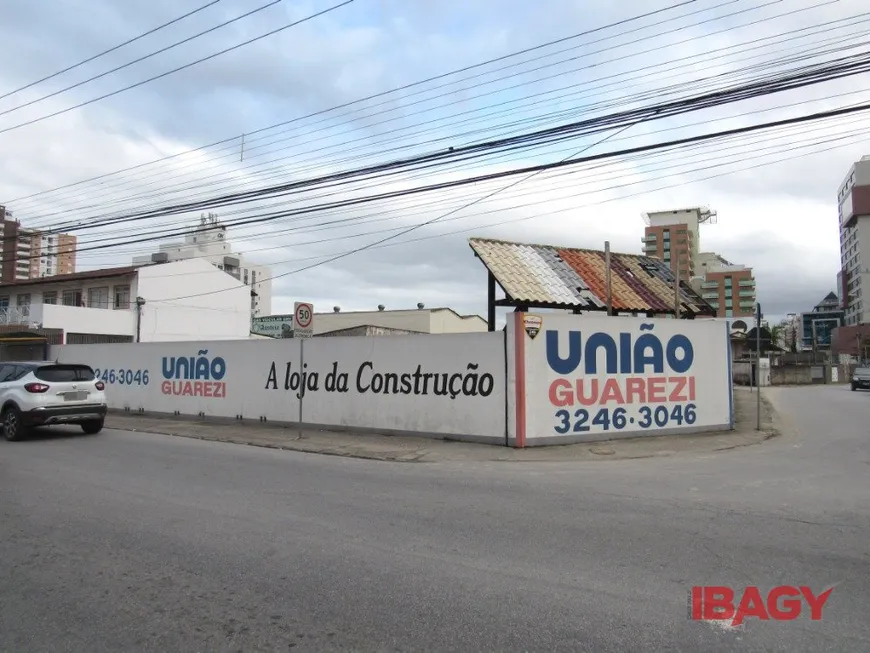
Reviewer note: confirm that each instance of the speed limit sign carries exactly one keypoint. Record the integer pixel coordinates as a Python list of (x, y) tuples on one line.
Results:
[(303, 320)]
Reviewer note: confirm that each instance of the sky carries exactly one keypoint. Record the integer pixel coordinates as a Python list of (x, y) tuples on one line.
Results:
[(151, 146)]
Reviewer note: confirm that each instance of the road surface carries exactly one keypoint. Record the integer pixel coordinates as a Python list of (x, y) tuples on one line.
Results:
[(142, 542)]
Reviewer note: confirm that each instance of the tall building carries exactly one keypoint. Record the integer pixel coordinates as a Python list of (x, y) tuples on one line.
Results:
[(853, 199), (675, 236), (728, 287), (31, 253), (816, 327), (208, 240)]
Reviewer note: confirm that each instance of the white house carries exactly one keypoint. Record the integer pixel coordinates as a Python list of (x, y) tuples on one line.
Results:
[(131, 304), (208, 241)]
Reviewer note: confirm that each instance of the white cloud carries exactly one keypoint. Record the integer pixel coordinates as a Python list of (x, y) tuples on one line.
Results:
[(770, 215)]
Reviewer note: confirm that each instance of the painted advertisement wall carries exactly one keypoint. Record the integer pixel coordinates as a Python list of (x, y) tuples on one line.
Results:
[(451, 385), (587, 378)]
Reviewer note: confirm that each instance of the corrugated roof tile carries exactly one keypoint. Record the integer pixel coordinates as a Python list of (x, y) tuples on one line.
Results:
[(575, 278)]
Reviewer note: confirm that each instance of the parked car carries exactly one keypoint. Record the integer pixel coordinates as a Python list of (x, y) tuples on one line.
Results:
[(44, 393), (861, 378)]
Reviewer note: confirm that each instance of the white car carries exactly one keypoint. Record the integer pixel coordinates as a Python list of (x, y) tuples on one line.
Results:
[(43, 393)]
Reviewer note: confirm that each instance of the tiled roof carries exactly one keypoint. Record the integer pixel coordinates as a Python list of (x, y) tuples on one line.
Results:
[(575, 278)]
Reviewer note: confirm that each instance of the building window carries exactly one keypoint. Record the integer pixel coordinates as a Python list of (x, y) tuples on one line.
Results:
[(122, 296), (49, 298), (4, 302), (23, 300), (246, 276), (253, 277), (72, 297), (98, 297)]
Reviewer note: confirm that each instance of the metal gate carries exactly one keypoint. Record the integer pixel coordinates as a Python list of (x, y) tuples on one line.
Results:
[(23, 347)]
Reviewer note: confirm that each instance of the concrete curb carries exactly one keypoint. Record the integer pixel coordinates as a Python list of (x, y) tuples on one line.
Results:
[(426, 450)]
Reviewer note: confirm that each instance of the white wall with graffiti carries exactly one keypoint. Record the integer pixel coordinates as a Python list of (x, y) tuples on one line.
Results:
[(449, 385), (587, 378)]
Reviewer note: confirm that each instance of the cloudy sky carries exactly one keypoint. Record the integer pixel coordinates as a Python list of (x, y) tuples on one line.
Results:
[(349, 88)]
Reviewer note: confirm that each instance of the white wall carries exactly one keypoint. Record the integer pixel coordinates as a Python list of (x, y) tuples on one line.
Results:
[(74, 319), (560, 402), (223, 314), (254, 384), (435, 321)]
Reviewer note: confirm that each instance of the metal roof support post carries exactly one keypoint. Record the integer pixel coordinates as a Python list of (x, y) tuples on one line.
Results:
[(490, 301)]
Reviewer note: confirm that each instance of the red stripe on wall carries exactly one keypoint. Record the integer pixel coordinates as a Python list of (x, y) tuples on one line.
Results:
[(520, 379)]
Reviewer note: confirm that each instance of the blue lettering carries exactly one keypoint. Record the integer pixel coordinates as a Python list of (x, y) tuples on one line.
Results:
[(195, 367), (202, 369), (595, 341), (218, 368), (563, 365), (183, 363), (648, 351), (680, 365), (647, 354)]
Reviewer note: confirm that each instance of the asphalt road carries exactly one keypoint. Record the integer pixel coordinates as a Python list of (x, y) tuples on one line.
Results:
[(140, 542)]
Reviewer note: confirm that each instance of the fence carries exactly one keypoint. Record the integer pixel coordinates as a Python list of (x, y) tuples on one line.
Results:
[(579, 379)]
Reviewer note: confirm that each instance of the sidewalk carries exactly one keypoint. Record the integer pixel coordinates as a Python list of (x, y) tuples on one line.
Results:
[(410, 449)]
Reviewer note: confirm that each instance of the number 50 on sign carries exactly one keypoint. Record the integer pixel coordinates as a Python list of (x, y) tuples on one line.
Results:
[(303, 320)]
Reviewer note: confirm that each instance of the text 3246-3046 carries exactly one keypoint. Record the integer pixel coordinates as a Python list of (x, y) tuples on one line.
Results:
[(122, 376), (582, 420)]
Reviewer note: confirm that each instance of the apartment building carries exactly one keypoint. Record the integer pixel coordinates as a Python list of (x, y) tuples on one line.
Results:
[(674, 236), (129, 304), (208, 241), (729, 288), (853, 200), (31, 253)]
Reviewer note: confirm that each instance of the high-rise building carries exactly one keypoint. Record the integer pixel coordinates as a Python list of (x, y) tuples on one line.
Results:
[(31, 253), (208, 240), (729, 288), (674, 236), (853, 199)]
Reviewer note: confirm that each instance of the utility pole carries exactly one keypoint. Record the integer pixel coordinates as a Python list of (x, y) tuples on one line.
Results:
[(758, 365), (608, 277), (677, 284), (140, 302)]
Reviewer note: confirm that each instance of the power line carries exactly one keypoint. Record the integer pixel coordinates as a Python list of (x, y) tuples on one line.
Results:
[(370, 97), (810, 75), (694, 168), (142, 58), (585, 54), (140, 195), (845, 66), (554, 165), (177, 69), (110, 50)]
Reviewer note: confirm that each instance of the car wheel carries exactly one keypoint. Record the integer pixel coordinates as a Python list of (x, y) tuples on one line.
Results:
[(13, 429), (854, 387), (92, 427)]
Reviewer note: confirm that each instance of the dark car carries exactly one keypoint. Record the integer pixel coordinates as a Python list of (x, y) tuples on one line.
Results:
[(861, 379)]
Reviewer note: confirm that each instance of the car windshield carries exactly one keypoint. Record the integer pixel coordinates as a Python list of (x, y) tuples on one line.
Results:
[(62, 373)]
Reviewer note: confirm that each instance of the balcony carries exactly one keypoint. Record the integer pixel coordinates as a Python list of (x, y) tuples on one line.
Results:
[(71, 319), (747, 293), (710, 295), (710, 285), (747, 283)]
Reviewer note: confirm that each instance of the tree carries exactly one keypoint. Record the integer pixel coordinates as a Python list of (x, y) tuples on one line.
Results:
[(777, 334)]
